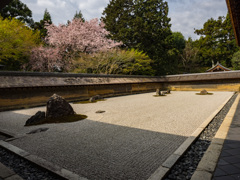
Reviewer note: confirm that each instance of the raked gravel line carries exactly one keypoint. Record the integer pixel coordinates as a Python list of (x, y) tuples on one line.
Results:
[(130, 140)]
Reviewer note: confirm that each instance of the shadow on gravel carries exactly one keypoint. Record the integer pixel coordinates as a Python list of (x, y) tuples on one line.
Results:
[(97, 150), (13, 121)]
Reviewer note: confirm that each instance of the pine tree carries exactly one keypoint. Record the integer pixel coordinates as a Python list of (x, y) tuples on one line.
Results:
[(79, 15), (217, 42), (18, 10), (41, 25), (47, 17), (143, 25)]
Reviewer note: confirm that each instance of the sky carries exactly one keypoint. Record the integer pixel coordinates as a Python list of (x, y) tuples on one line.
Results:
[(186, 15)]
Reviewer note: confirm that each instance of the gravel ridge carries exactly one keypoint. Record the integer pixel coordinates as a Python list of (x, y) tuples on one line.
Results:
[(185, 167)]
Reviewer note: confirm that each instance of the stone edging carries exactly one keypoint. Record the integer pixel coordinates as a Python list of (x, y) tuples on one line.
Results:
[(207, 165), (8, 174), (66, 174), (164, 169)]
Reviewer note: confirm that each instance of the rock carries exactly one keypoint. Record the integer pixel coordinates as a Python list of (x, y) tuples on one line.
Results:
[(100, 111), (203, 92), (168, 91), (38, 117), (94, 98), (162, 93), (38, 130), (57, 106)]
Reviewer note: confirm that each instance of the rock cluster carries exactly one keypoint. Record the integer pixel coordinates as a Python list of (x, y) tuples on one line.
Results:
[(162, 93), (203, 92), (57, 106)]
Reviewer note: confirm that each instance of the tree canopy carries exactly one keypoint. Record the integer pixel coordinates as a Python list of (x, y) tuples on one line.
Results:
[(79, 36), (178, 41), (41, 25), (189, 57), (16, 42), (143, 25), (236, 61), (115, 61), (217, 42), (79, 15), (18, 10), (69, 41)]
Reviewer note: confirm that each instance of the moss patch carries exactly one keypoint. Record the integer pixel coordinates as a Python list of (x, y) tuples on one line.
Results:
[(159, 95), (204, 94), (86, 102), (64, 119)]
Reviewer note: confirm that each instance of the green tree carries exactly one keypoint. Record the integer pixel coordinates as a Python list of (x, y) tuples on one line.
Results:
[(41, 25), (79, 15), (18, 10), (189, 57), (178, 41), (143, 25), (236, 61), (175, 60), (130, 62), (217, 42), (16, 42)]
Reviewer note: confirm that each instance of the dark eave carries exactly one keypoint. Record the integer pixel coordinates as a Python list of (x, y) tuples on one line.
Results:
[(234, 12)]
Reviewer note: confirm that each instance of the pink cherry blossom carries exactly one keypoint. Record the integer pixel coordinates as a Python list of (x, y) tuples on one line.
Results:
[(68, 41), (79, 36), (46, 59)]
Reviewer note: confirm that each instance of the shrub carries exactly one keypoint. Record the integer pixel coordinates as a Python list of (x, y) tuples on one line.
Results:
[(17, 41), (115, 61)]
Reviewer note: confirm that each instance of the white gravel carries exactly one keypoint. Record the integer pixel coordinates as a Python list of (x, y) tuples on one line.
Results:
[(129, 141)]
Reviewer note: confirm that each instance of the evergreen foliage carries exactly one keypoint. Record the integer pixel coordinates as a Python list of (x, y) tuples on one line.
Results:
[(143, 25), (178, 41), (18, 10), (236, 61), (79, 15), (217, 42), (41, 25)]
